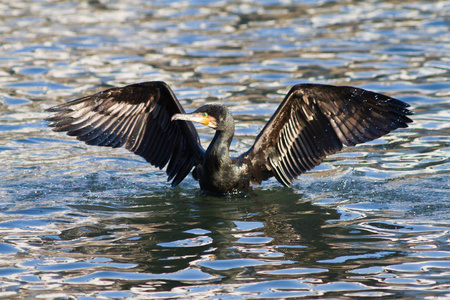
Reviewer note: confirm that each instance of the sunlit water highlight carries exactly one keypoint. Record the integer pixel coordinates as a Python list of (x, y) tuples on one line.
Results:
[(89, 222)]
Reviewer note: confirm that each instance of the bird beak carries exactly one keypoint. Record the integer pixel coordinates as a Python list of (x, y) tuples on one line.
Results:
[(197, 118)]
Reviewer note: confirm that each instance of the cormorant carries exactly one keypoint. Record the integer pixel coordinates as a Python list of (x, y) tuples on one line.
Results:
[(312, 121)]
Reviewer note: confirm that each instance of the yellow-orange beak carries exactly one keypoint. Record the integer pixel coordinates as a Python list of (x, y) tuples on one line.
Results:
[(198, 118)]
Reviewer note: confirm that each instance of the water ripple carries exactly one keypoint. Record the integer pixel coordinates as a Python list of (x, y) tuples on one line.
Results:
[(79, 221)]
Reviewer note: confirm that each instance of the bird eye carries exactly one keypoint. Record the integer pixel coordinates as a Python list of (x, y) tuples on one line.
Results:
[(204, 115)]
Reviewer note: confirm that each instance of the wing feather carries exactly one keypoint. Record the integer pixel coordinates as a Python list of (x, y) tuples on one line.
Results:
[(314, 121), (138, 117)]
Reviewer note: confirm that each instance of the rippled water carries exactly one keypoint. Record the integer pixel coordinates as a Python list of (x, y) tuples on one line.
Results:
[(88, 222)]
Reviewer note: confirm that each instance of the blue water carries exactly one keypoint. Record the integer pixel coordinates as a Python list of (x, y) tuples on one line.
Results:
[(94, 223)]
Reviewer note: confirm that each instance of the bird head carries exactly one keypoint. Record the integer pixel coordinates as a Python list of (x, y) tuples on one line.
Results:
[(211, 115)]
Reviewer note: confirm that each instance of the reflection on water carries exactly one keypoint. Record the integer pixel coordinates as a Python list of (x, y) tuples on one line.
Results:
[(274, 244), (92, 222)]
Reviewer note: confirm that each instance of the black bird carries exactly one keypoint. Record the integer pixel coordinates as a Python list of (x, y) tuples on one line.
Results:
[(313, 121)]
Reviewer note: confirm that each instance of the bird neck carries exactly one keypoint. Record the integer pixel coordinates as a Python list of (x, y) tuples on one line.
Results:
[(220, 144), (218, 149)]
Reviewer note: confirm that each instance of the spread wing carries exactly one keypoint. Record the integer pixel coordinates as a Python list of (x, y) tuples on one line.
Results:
[(314, 121), (138, 117)]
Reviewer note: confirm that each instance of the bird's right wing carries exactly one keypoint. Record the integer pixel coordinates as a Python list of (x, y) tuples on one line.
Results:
[(136, 116), (314, 121)]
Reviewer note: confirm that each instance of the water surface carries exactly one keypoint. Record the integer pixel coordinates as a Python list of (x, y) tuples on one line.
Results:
[(94, 223)]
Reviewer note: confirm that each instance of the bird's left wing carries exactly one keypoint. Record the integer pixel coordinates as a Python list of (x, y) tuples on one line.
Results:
[(136, 116), (314, 121)]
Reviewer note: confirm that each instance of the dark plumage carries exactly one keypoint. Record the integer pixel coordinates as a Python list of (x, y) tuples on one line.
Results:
[(313, 121)]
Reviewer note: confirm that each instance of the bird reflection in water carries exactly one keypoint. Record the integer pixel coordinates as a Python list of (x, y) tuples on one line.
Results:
[(312, 122)]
